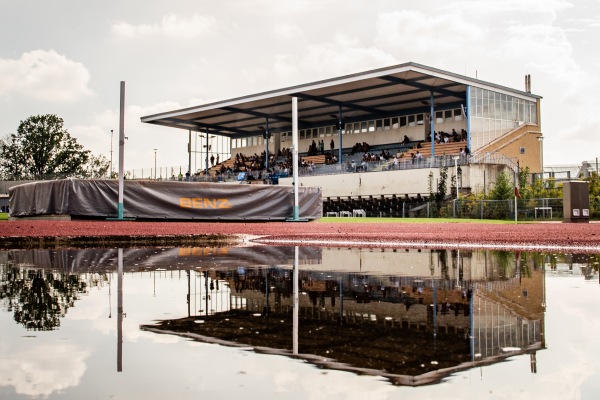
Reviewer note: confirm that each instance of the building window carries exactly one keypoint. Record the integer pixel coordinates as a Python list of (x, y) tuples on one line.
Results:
[(522, 150), (458, 114)]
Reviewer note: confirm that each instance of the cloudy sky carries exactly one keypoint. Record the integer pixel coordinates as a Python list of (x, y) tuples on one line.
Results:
[(68, 58)]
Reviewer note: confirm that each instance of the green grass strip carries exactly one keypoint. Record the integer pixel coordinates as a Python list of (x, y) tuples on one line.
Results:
[(414, 220)]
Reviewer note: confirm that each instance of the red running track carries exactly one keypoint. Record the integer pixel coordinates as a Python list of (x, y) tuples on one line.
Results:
[(552, 236)]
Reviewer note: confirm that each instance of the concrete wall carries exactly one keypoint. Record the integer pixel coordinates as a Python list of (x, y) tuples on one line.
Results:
[(477, 178)]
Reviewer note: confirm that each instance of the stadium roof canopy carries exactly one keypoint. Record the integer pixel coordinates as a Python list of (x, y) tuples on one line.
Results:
[(392, 91)]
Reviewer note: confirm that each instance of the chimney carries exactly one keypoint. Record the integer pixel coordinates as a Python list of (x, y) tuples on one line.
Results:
[(528, 83)]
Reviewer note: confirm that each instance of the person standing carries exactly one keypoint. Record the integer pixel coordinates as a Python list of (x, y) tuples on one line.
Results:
[(331, 146)]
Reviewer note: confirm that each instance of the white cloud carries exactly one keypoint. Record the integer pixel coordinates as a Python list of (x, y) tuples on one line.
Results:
[(171, 26), (142, 138), (44, 75), (343, 55), (287, 30), (510, 6), (417, 35), (39, 370)]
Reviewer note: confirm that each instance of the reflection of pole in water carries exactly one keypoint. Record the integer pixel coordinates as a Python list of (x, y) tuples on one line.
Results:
[(120, 311), (341, 300), (471, 294), (189, 288), (206, 294), (296, 303), (109, 296), (543, 321), (266, 310), (434, 308)]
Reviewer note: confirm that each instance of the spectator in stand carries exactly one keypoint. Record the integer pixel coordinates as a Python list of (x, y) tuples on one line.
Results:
[(419, 156), (364, 166), (406, 140)]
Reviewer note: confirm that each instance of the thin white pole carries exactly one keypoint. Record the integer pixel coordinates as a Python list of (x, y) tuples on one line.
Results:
[(121, 150)]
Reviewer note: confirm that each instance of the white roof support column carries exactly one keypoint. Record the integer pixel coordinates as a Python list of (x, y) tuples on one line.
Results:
[(295, 155), (296, 217)]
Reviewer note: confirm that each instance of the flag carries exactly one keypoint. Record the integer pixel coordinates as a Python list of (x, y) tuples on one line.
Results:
[(517, 194)]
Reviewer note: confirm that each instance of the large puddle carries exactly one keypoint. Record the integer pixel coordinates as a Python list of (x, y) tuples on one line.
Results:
[(232, 322)]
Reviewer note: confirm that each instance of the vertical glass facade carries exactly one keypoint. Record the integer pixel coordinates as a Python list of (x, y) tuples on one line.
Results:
[(493, 114)]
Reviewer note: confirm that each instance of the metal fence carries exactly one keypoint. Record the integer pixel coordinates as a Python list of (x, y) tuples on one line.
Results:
[(526, 209)]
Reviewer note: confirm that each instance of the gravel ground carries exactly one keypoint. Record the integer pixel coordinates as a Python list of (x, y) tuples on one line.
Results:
[(573, 237)]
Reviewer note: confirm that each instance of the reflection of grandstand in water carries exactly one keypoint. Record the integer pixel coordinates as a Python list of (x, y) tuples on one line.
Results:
[(413, 317), (586, 265)]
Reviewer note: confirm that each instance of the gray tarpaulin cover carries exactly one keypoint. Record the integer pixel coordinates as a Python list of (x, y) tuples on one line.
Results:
[(163, 200)]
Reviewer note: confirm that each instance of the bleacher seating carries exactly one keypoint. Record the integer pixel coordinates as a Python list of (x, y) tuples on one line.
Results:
[(450, 148), (382, 206), (318, 159)]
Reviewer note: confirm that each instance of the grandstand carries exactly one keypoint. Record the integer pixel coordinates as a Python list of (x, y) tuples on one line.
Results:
[(394, 111)]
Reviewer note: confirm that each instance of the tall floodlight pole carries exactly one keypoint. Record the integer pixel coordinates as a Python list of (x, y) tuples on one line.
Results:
[(340, 126), (432, 123), (111, 153), (456, 174), (207, 153), (121, 151), (267, 146), (541, 140), (155, 164)]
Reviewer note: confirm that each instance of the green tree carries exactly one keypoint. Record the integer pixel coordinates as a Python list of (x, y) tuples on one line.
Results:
[(524, 188), (96, 167), (503, 188), (437, 198), (43, 147), (38, 298), (12, 158)]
